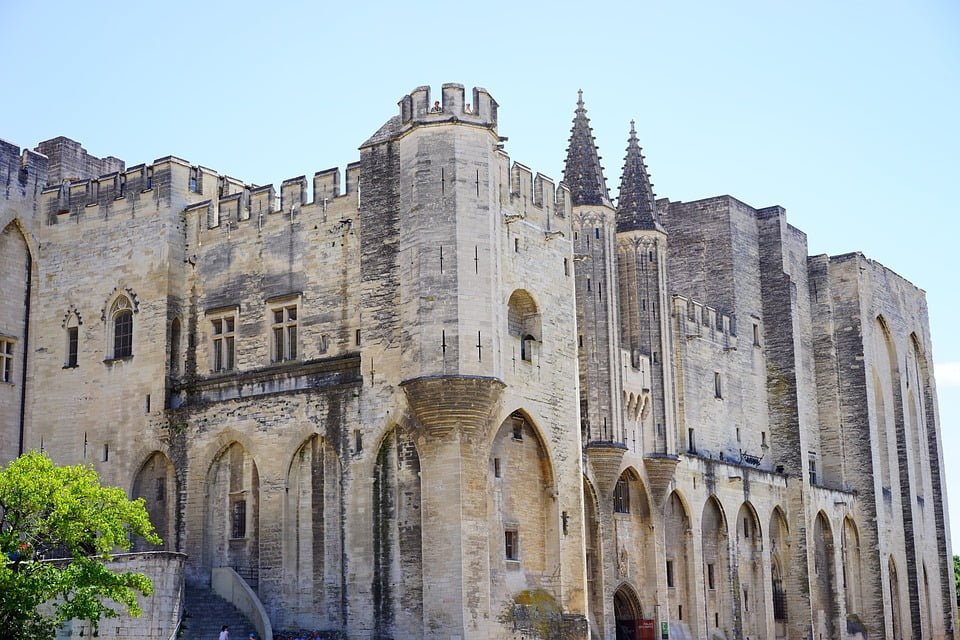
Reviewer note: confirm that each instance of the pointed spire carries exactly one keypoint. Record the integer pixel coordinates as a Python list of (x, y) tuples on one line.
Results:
[(582, 171), (636, 206)]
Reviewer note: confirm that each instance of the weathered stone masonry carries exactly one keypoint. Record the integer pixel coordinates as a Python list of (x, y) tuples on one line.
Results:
[(400, 401)]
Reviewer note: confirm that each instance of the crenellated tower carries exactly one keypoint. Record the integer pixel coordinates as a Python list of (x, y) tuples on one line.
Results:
[(465, 272), (644, 303)]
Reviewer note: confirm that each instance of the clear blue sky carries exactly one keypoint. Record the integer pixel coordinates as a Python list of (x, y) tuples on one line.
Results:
[(845, 113)]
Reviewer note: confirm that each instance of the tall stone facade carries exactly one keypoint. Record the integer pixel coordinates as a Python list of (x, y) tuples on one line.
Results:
[(446, 395)]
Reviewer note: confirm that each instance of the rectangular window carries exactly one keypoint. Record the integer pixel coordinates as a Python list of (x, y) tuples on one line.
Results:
[(161, 489), (756, 334), (711, 581), (496, 467), (670, 582), (511, 544), (73, 343), (621, 496), (6, 360), (812, 467), (284, 329), (223, 347), (717, 385), (691, 441), (238, 519)]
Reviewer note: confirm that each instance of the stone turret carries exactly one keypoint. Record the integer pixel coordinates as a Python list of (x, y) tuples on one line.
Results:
[(594, 221), (644, 304)]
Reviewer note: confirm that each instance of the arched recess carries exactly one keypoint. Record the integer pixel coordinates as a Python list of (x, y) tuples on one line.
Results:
[(679, 559), (627, 612), (522, 510), (594, 557), (824, 586), (779, 536), (397, 538), (156, 483), (231, 535), (896, 606), (523, 324), (852, 567), (751, 595), (311, 537), (890, 421), (635, 544), (716, 568), (16, 277), (941, 576)]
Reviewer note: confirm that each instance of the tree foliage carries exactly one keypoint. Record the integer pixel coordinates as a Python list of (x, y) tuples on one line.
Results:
[(58, 526), (956, 576)]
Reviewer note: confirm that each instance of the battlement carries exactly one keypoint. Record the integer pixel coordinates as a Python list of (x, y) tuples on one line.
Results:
[(697, 320), (226, 197), (70, 162), (419, 107), (532, 197), (21, 167), (112, 191)]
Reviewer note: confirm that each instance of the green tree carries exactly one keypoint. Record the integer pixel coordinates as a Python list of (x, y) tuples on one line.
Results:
[(58, 526), (956, 576)]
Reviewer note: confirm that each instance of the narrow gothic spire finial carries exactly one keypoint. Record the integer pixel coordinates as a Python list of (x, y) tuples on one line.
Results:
[(582, 171), (636, 205)]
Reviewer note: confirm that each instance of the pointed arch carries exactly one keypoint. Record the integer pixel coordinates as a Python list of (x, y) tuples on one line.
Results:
[(779, 536), (310, 541), (17, 284), (824, 587), (232, 513), (594, 554), (521, 506), (750, 597), (852, 567), (896, 605), (156, 483), (716, 567), (679, 562), (627, 612), (636, 559), (397, 537)]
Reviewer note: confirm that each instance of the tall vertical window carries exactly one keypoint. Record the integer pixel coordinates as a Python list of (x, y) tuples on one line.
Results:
[(284, 329), (73, 341), (717, 385), (6, 360), (223, 331), (511, 544), (121, 326), (812, 467)]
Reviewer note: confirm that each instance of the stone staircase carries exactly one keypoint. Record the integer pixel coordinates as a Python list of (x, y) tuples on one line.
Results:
[(208, 612)]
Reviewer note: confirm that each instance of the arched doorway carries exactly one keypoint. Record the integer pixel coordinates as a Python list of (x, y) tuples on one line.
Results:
[(627, 613)]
